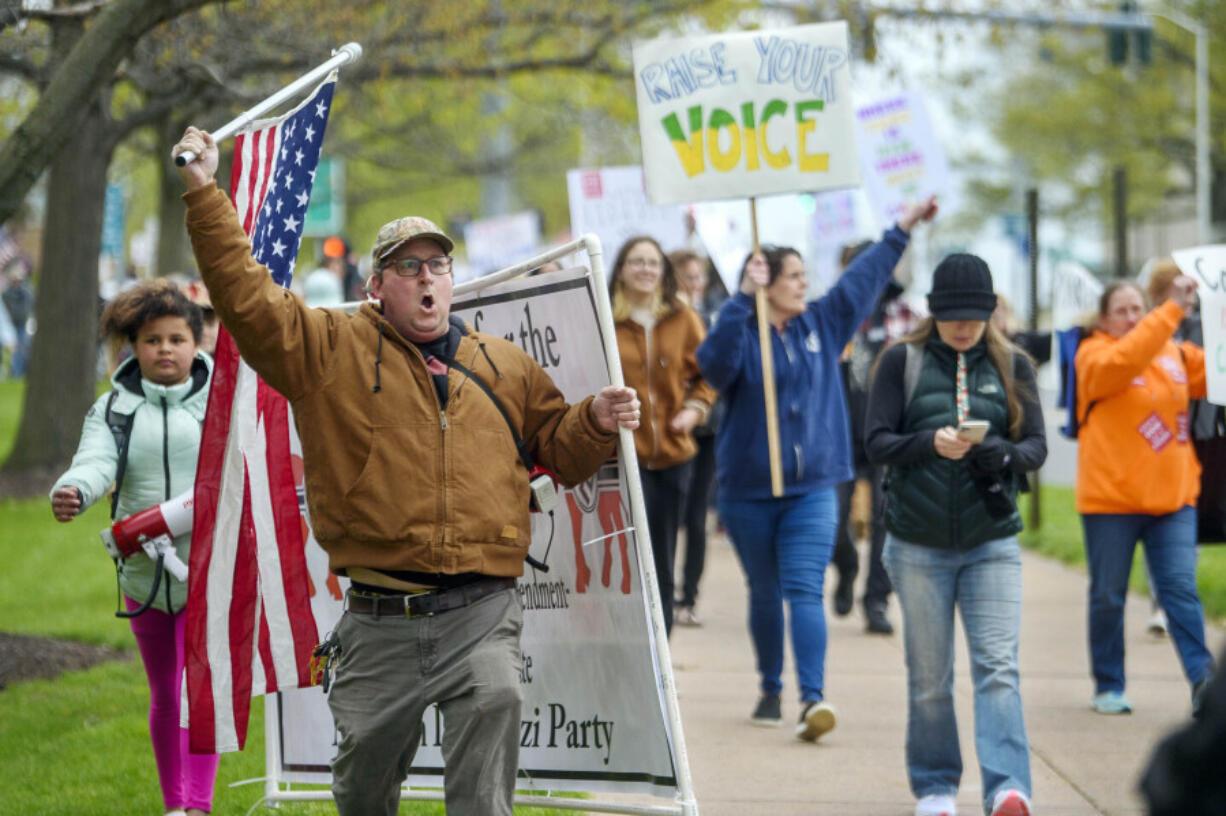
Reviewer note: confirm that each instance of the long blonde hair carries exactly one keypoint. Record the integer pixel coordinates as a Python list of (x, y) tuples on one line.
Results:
[(1000, 351)]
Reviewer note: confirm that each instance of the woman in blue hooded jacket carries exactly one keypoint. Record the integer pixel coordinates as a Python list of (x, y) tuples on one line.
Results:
[(784, 543)]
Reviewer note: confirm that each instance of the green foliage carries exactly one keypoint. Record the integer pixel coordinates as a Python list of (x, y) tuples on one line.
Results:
[(413, 118), (1070, 115)]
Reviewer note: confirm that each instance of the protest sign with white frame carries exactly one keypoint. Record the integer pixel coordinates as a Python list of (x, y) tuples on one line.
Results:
[(594, 644)]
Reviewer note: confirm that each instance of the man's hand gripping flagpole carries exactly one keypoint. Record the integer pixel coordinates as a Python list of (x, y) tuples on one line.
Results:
[(349, 52)]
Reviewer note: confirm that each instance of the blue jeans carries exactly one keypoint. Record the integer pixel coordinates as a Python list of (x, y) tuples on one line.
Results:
[(985, 584), (1170, 549), (784, 546)]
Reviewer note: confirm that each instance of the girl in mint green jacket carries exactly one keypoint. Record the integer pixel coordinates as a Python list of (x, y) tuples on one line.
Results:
[(163, 388)]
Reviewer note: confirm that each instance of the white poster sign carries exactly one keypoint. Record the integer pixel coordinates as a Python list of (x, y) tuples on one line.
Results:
[(612, 203), (1208, 265), (498, 242), (1074, 294), (744, 114), (900, 157), (594, 713)]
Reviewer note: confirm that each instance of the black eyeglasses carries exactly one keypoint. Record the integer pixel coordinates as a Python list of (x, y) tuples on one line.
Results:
[(411, 267)]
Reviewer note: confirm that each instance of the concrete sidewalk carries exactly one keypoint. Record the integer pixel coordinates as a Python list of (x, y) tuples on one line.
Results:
[(1082, 763)]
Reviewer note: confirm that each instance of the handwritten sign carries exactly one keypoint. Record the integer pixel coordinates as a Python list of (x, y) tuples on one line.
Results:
[(1208, 265), (746, 114), (612, 202), (900, 158)]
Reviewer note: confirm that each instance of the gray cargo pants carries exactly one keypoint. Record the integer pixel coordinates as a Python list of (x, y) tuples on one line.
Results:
[(391, 668)]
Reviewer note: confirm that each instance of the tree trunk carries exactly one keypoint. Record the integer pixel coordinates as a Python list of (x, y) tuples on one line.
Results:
[(174, 251), (64, 351)]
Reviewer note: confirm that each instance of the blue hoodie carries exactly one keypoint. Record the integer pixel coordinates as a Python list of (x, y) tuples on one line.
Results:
[(814, 436)]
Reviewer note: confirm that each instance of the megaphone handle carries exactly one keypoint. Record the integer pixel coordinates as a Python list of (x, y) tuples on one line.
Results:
[(176, 566)]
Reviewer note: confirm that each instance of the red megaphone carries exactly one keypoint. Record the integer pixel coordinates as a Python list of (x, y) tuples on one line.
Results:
[(172, 517)]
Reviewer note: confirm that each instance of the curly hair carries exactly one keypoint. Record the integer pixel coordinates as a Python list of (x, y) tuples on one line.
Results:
[(130, 310)]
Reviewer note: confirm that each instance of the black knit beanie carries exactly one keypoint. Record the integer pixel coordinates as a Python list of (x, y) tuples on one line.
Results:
[(962, 289)]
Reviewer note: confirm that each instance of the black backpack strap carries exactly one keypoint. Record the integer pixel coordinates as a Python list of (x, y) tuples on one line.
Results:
[(121, 429), (520, 445)]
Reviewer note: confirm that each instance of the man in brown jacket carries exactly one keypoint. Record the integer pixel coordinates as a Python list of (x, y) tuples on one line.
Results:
[(416, 492)]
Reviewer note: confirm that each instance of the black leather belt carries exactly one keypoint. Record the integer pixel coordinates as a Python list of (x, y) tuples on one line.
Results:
[(425, 604)]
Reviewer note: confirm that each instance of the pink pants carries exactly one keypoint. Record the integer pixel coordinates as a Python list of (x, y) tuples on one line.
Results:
[(186, 778)]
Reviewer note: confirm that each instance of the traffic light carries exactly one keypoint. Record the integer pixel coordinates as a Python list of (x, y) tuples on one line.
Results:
[(1117, 45), (1144, 41), (1118, 39)]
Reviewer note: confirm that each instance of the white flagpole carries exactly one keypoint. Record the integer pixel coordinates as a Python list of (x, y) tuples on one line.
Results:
[(349, 52)]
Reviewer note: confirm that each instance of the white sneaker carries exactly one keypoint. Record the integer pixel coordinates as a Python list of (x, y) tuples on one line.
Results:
[(817, 718), (684, 616), (1157, 623), (179, 812), (937, 804)]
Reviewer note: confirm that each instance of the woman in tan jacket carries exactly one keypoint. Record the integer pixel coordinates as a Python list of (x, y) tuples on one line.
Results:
[(657, 335)]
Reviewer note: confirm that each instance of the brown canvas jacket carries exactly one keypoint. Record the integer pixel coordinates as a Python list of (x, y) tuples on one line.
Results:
[(664, 383), (393, 482)]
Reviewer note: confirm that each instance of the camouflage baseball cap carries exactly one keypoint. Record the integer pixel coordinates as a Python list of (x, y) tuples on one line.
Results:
[(395, 233)]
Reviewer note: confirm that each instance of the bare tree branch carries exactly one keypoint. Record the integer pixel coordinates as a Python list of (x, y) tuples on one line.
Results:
[(87, 68)]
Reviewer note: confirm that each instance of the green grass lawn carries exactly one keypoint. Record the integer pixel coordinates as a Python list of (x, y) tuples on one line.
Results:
[(80, 743)]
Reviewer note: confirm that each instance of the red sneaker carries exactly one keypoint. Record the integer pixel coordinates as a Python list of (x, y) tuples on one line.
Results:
[(1011, 802)]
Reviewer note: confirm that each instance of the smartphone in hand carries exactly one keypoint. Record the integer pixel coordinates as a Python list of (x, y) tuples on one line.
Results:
[(973, 430)]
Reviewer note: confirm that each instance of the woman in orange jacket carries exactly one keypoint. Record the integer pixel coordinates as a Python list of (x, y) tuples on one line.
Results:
[(657, 334), (1138, 478)]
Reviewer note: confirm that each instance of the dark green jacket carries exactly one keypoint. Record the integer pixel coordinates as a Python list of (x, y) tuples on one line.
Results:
[(932, 500)]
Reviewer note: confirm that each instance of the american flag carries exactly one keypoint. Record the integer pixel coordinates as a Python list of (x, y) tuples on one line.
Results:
[(250, 629)]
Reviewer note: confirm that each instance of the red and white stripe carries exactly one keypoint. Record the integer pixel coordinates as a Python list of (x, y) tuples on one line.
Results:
[(250, 628)]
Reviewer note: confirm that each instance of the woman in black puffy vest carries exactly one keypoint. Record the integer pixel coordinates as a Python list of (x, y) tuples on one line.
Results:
[(952, 524)]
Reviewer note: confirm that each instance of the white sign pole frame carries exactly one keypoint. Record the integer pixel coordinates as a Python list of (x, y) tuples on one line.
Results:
[(277, 790)]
